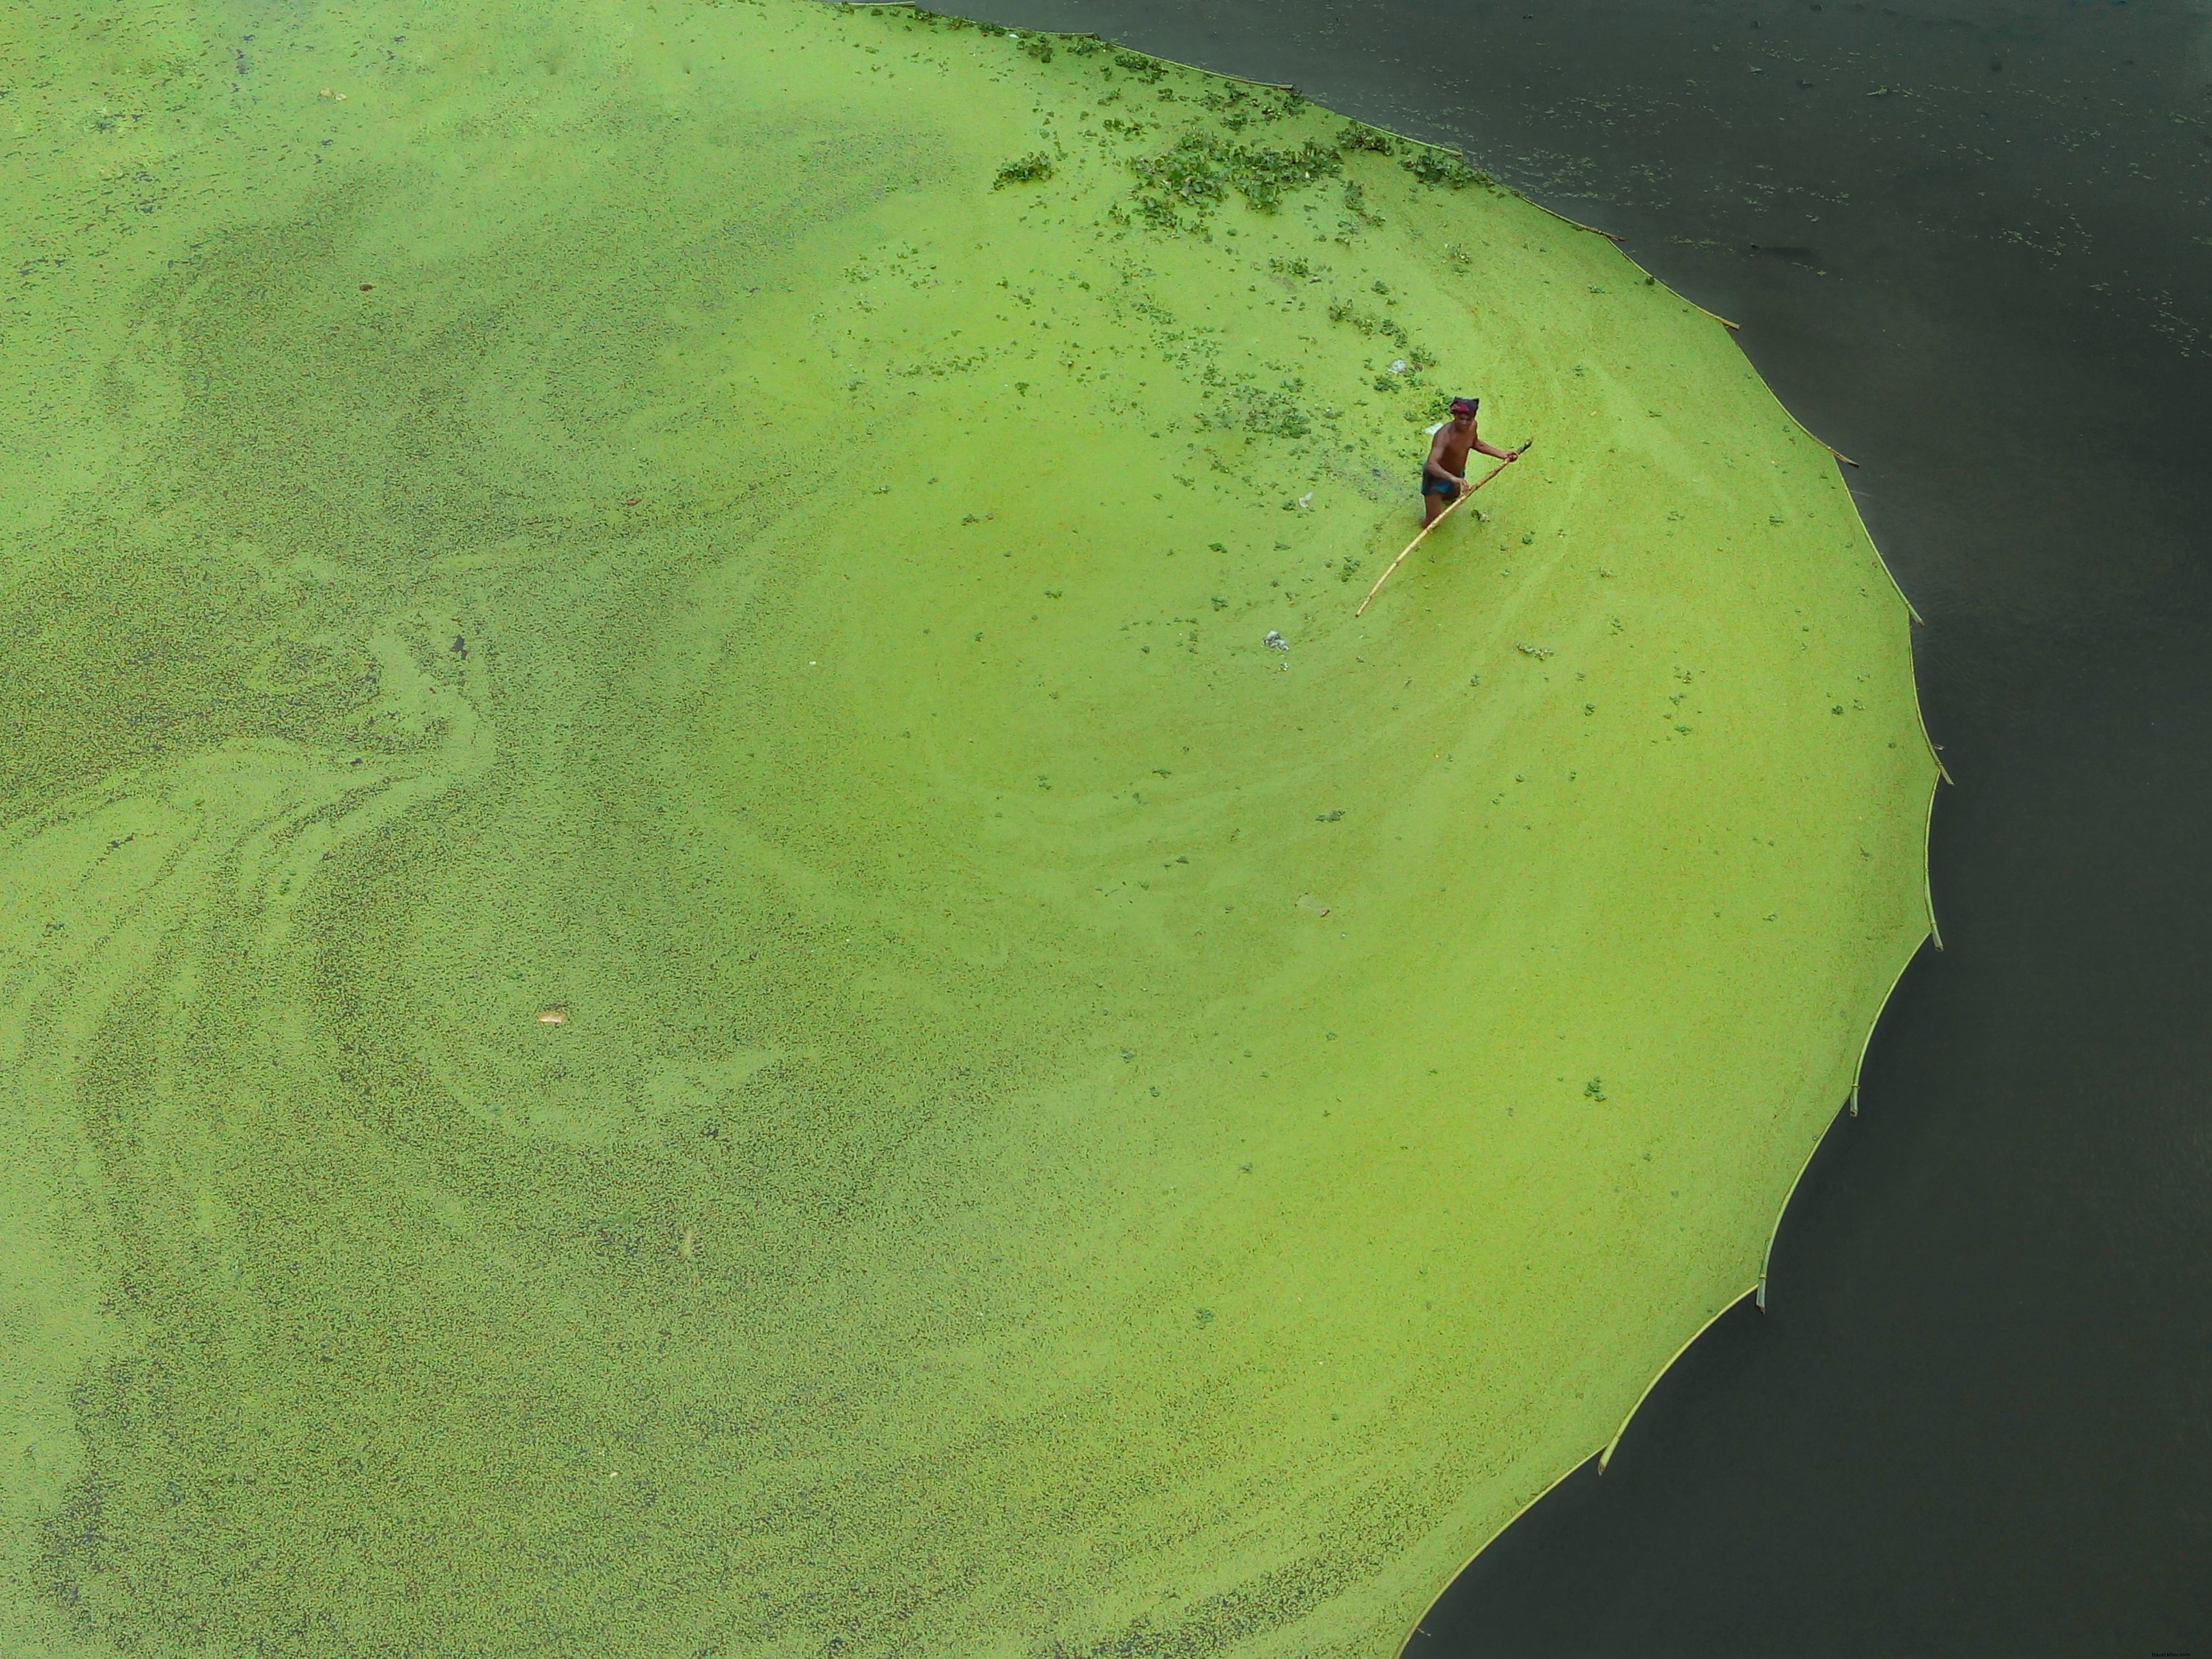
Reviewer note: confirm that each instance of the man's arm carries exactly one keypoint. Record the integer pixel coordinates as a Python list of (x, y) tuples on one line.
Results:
[(1497, 454)]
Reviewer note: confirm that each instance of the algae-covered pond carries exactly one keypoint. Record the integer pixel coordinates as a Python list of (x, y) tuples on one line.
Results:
[(679, 975)]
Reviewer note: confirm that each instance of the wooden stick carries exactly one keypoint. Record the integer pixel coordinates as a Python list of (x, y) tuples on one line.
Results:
[(1609, 236), (1678, 294), (1438, 519)]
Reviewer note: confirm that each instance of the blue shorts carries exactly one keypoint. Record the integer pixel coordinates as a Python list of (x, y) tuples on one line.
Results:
[(1438, 487)]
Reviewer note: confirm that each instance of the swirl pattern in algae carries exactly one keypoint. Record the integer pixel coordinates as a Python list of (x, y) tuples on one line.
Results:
[(677, 978)]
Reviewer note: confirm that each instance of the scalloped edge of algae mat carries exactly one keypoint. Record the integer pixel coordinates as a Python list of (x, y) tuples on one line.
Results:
[(677, 975)]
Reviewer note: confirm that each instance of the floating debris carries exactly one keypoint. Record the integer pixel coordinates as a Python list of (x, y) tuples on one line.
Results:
[(553, 1015), (1540, 652), (1033, 168), (1275, 642)]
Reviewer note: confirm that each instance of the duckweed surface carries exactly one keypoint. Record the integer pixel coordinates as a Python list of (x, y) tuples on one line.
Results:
[(676, 976)]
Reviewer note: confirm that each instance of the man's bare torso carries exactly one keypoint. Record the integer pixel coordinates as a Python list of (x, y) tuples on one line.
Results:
[(1444, 474), (1452, 445)]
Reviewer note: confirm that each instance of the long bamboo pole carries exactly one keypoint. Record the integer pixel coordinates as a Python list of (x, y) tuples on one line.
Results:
[(1438, 519)]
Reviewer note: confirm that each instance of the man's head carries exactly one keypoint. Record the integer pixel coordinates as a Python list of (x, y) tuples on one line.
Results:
[(1462, 411)]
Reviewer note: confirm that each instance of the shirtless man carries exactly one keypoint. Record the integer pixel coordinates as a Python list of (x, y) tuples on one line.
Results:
[(1443, 476)]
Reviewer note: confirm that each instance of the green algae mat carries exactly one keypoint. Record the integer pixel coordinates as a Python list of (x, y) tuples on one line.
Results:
[(677, 974)]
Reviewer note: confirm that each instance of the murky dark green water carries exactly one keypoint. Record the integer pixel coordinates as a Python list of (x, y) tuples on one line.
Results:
[(1972, 246)]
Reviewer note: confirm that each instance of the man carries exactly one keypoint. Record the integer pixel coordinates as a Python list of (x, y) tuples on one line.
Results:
[(1443, 476)]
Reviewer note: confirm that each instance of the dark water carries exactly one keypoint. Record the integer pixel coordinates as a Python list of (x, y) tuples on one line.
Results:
[(1971, 247)]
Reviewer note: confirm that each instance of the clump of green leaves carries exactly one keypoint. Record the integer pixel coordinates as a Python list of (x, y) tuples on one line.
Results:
[(1367, 323), (1359, 135), (1039, 47), (1030, 169), (1437, 166), (1178, 187), (1239, 107), (1349, 569), (1594, 1089), (1299, 269), (1254, 409), (1148, 69)]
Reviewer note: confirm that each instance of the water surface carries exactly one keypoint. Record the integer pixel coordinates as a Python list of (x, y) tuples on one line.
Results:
[(1971, 247)]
